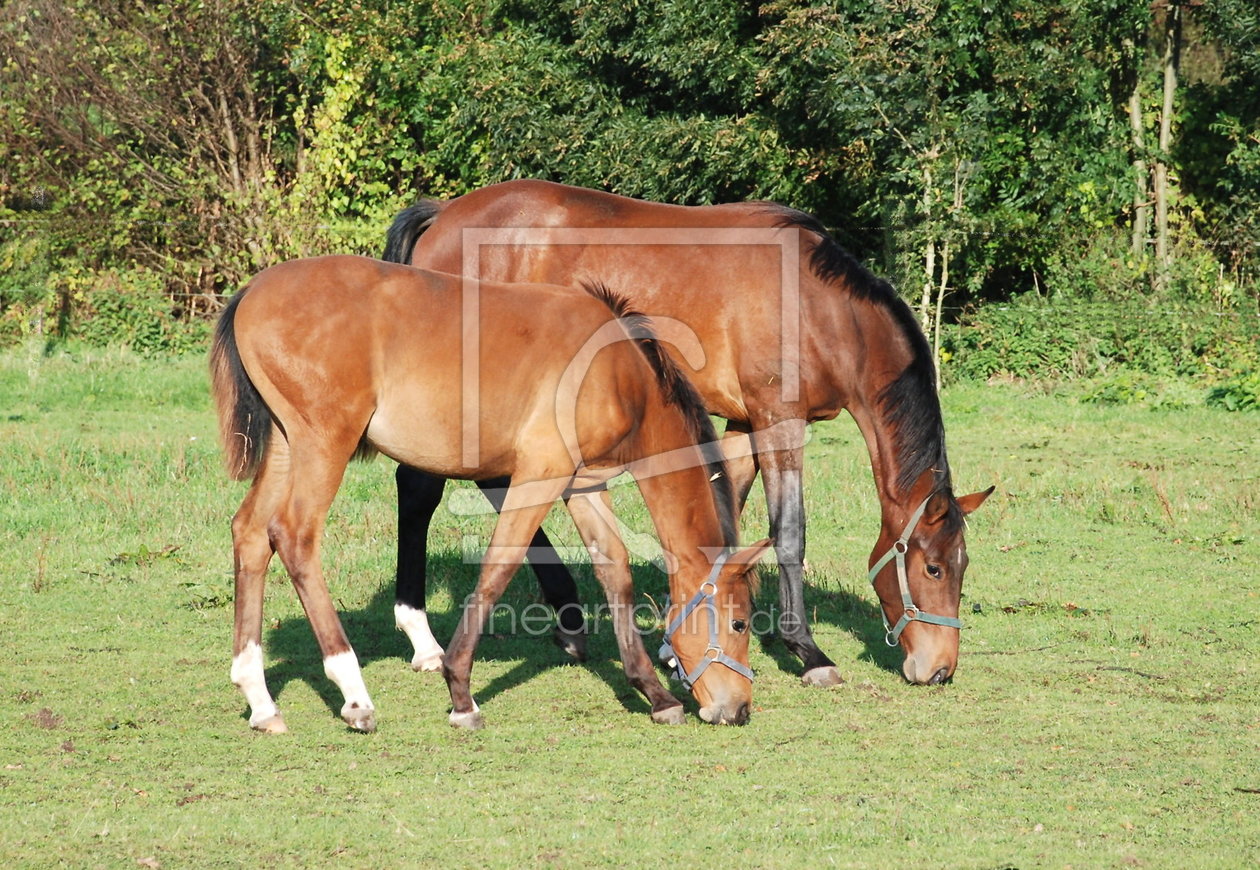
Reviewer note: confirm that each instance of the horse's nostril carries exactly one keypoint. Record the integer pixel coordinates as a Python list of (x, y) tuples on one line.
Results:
[(741, 715), (939, 677)]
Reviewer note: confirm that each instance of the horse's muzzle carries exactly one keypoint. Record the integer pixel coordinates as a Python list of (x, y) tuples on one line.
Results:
[(924, 674), (718, 714)]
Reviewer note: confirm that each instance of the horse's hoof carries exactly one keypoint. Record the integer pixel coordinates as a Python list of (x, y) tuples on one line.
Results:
[(271, 725), (470, 721), (572, 642), (822, 677), (670, 716), (359, 718), (428, 662)]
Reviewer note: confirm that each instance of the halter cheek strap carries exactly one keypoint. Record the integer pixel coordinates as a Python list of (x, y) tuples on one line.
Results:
[(705, 598), (910, 612)]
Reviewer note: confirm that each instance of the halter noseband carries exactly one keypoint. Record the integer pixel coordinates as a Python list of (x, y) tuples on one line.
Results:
[(705, 597), (911, 612)]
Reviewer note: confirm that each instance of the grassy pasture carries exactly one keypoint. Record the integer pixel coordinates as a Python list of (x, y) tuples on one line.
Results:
[(1105, 712)]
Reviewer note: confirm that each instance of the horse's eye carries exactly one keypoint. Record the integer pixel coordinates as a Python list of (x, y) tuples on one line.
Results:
[(934, 571), (739, 625)]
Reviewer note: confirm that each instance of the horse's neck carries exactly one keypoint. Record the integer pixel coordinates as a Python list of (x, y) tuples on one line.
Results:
[(885, 353), (677, 491)]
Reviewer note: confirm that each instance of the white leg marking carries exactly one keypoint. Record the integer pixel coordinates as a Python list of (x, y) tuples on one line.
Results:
[(247, 675), (415, 624), (343, 669), (471, 721)]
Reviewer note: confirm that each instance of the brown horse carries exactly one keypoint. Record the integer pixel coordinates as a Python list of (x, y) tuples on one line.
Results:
[(793, 330), (319, 359)]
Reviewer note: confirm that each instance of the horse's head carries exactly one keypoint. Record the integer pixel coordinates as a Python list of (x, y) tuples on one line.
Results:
[(706, 637), (917, 570)]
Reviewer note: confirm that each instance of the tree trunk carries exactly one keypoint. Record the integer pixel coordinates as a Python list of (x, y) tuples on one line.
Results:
[(1172, 56), (929, 254), (1141, 178)]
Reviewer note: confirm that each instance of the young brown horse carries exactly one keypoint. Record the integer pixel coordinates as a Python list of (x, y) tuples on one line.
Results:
[(319, 359), (793, 330)]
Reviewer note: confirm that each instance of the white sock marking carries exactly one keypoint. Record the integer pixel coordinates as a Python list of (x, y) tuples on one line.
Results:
[(343, 669), (415, 624), (248, 676)]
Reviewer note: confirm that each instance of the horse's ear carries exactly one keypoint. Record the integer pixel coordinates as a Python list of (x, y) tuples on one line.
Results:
[(937, 507), (742, 561), (969, 503)]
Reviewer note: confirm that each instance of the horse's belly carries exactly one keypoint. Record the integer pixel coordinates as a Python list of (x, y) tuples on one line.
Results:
[(417, 440)]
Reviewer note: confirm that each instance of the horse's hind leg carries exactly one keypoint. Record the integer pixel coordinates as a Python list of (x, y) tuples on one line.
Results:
[(419, 495), (592, 513), (252, 551), (296, 533)]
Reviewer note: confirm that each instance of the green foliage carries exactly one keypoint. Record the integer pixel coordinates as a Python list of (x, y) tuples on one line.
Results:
[(1030, 337), (1238, 393), (202, 142), (131, 309), (1127, 387), (24, 287)]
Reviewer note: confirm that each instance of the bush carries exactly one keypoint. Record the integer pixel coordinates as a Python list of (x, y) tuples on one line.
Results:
[(131, 309), (24, 293), (1239, 393), (1030, 337), (1132, 388)]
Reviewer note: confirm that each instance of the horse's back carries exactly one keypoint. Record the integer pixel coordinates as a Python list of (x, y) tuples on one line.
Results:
[(724, 272), (413, 357)]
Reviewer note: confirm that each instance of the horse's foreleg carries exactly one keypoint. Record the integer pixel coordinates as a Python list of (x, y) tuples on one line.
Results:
[(296, 534), (252, 551), (554, 579), (419, 495), (523, 511), (781, 452), (592, 513)]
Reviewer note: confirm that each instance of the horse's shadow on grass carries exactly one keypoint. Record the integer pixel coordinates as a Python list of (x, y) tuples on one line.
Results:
[(841, 608), (294, 655)]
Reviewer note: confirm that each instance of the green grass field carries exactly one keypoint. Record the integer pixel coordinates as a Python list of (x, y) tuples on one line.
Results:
[(1104, 714)]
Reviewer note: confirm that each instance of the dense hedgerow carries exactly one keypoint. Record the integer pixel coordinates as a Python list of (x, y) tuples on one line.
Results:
[(1030, 337)]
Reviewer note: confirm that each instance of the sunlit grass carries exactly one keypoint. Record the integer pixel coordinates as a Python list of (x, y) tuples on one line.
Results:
[(1103, 714)]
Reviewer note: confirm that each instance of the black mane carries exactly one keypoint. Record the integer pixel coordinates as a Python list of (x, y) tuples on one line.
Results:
[(909, 404), (680, 393)]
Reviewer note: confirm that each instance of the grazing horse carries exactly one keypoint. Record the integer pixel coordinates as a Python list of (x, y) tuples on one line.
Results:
[(320, 359), (793, 330)]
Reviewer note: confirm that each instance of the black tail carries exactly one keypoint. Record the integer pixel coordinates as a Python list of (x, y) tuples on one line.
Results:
[(407, 228), (244, 418)]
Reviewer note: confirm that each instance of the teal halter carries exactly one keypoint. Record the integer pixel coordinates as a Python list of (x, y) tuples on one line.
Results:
[(705, 597), (911, 613)]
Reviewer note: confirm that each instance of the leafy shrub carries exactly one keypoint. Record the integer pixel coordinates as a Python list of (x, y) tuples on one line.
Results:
[(131, 309), (1239, 393), (24, 293), (1127, 387), (1030, 337)]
